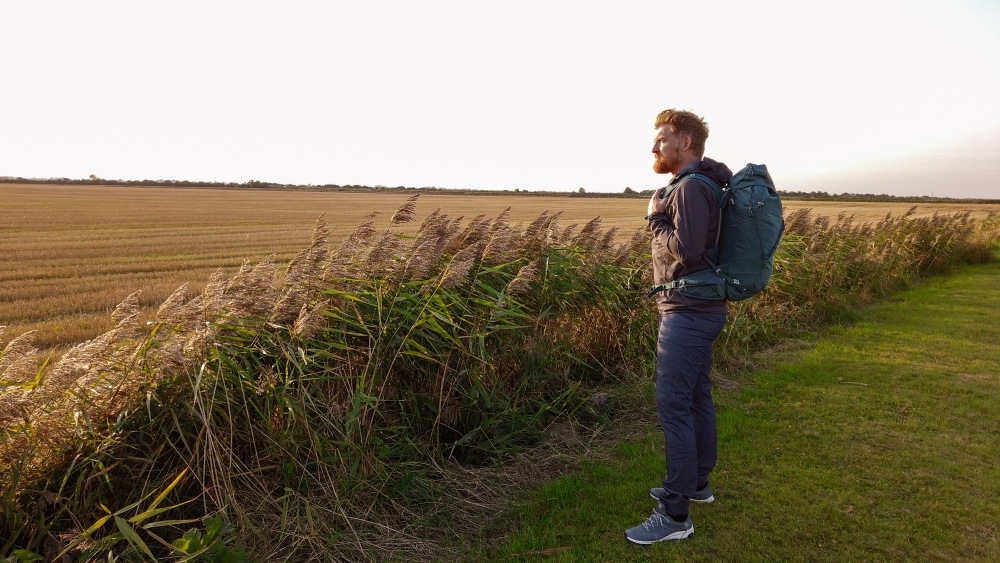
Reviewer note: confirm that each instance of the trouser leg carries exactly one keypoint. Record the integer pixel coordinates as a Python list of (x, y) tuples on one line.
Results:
[(703, 415), (684, 403)]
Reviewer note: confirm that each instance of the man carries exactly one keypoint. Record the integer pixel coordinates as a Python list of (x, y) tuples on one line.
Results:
[(684, 218)]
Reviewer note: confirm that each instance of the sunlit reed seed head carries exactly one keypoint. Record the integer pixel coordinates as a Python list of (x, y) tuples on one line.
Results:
[(18, 368), (91, 367), (423, 258), (246, 294), (169, 356), (127, 311), (498, 241), (171, 310), (636, 246), (607, 242), (321, 233), (197, 341), (474, 232), (214, 290), (798, 221), (431, 223), (303, 279), (17, 364), (538, 234), (405, 212), (358, 241), (381, 258), (263, 277), (231, 297), (555, 230), (552, 233), (589, 234), (191, 313), (288, 306), (311, 320), (14, 409), (531, 232), (318, 253), (522, 282), (454, 228), (426, 251), (456, 270), (566, 235), (460, 266)]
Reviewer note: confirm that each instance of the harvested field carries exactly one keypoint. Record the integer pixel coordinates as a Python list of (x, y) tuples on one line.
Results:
[(71, 253)]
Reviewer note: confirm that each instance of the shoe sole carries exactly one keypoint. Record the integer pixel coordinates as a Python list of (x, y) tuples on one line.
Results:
[(674, 536), (697, 500)]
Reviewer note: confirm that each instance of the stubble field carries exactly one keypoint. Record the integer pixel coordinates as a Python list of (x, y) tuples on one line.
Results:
[(71, 253)]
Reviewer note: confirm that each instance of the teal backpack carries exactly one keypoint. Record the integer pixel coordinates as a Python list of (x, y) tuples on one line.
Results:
[(750, 228)]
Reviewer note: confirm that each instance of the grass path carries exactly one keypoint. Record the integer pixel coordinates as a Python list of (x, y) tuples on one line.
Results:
[(875, 441)]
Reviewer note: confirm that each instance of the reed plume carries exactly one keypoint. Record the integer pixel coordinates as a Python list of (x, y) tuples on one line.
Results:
[(18, 362), (310, 320), (473, 233), (350, 250), (458, 269), (405, 212), (589, 235), (498, 247), (303, 277), (522, 281), (425, 254)]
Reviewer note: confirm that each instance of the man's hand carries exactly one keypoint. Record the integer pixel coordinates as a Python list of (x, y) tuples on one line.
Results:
[(657, 204)]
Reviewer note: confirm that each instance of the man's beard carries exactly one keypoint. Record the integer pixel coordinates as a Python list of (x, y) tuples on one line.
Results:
[(663, 165)]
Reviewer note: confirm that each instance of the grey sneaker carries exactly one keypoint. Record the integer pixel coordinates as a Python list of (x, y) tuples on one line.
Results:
[(703, 496), (659, 527)]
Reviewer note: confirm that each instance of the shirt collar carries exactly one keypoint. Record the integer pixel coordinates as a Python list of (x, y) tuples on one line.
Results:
[(689, 168)]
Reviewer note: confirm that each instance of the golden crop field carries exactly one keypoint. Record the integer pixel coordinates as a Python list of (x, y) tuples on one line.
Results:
[(71, 253)]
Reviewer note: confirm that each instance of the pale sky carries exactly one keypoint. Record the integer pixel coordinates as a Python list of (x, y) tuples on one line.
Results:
[(876, 96)]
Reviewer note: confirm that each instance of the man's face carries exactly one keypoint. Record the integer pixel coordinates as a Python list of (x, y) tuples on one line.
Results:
[(667, 151)]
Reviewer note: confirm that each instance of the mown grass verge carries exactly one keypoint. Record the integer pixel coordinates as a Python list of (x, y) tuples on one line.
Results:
[(876, 441)]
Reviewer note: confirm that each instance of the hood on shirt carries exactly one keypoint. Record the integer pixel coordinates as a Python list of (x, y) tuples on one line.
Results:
[(711, 168)]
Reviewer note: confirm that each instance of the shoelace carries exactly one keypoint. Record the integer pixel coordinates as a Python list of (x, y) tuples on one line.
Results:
[(655, 519)]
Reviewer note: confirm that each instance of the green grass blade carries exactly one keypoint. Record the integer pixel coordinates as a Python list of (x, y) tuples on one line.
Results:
[(132, 537)]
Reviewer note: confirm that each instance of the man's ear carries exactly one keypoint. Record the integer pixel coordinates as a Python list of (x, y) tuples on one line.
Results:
[(688, 141)]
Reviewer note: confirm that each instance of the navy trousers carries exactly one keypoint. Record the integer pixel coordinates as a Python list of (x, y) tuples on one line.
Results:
[(684, 403)]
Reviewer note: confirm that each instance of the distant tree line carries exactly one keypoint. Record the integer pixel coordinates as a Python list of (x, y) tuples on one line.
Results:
[(94, 180), (259, 185), (808, 196)]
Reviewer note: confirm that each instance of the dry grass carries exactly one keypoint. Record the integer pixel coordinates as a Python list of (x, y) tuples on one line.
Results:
[(72, 253)]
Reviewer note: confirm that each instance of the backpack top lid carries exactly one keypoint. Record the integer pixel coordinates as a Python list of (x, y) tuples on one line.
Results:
[(751, 170)]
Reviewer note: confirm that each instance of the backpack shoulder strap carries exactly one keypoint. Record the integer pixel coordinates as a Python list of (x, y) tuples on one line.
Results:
[(704, 177), (722, 194)]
